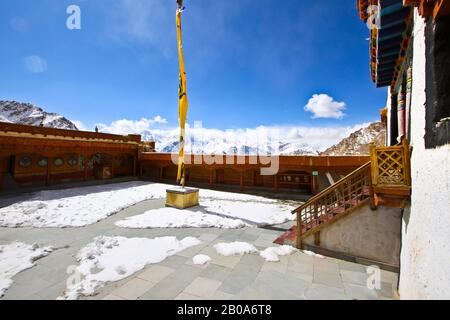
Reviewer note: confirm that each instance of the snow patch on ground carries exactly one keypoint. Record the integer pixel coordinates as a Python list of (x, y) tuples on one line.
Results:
[(272, 254), (16, 257), (312, 254), (260, 212), (201, 259), (234, 248), (175, 218), (79, 207), (217, 209), (110, 259)]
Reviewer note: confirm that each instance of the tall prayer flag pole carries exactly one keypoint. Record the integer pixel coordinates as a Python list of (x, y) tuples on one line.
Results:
[(181, 198), (182, 97)]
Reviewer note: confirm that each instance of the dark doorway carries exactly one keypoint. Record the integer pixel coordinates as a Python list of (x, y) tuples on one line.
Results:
[(220, 176), (10, 165)]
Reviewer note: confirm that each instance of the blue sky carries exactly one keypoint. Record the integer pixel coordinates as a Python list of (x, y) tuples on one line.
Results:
[(249, 63)]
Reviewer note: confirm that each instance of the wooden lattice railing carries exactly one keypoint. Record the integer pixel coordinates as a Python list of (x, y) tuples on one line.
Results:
[(391, 165), (336, 201), (387, 174)]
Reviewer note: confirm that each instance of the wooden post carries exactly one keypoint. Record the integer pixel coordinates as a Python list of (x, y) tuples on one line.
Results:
[(317, 238), (241, 181), (315, 185), (373, 205), (276, 183), (134, 166), (316, 215), (48, 175), (112, 167), (406, 162), (161, 173), (1, 173), (373, 164), (401, 113), (211, 178), (86, 166), (299, 231), (141, 173)]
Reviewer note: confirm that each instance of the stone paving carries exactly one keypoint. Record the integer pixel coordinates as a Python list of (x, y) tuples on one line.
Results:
[(298, 276)]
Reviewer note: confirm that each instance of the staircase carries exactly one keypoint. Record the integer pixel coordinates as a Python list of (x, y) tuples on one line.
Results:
[(329, 206)]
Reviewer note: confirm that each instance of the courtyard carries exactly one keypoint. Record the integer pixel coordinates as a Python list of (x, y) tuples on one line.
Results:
[(71, 224)]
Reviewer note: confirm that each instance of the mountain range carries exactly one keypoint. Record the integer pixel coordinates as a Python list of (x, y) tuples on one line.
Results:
[(358, 143), (209, 141), (26, 113)]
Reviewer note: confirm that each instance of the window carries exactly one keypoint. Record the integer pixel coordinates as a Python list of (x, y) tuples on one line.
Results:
[(58, 162), (438, 83), (25, 162), (72, 161), (42, 162)]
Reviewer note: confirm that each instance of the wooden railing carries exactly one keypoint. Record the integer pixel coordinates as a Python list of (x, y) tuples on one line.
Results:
[(388, 173), (391, 165), (337, 200)]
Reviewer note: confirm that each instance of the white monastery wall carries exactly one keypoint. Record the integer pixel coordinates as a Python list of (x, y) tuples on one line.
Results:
[(425, 254)]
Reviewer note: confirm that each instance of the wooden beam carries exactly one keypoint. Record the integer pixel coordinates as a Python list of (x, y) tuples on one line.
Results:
[(211, 177), (316, 217), (317, 239), (112, 167), (48, 171), (276, 183), (299, 231), (442, 8), (395, 191), (86, 166), (241, 181), (315, 185), (161, 173), (1, 173)]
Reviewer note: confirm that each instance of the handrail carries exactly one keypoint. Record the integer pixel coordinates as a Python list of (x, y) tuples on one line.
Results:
[(334, 202), (332, 187)]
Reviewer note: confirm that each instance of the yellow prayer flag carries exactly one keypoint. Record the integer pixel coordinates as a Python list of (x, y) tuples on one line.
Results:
[(182, 102)]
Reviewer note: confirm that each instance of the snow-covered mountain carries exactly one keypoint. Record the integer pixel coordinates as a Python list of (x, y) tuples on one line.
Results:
[(26, 113), (261, 140), (358, 143), (211, 141)]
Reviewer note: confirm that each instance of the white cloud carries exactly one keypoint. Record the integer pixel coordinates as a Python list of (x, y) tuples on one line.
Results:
[(80, 125), (35, 64), (274, 139), (125, 126), (324, 106)]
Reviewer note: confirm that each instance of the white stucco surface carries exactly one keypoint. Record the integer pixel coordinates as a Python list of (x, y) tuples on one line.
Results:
[(364, 233), (425, 256)]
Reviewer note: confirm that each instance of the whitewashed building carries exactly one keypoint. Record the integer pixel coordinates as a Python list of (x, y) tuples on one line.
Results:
[(410, 55)]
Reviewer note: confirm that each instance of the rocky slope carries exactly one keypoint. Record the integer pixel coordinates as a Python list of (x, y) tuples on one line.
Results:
[(358, 143), (26, 113)]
